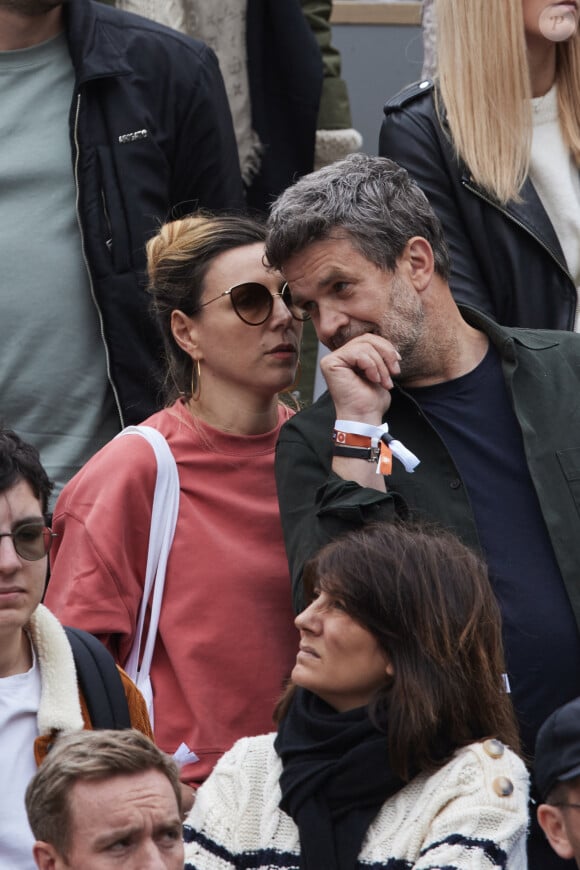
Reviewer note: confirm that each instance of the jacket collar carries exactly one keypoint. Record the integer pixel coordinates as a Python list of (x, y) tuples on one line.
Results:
[(97, 51), (59, 708), (534, 339)]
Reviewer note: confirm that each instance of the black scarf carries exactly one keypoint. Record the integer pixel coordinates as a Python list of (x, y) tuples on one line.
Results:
[(336, 776)]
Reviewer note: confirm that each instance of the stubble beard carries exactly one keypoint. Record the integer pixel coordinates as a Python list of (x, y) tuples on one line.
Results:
[(404, 327)]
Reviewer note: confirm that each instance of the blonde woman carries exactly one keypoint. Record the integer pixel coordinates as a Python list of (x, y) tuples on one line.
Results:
[(495, 144), (226, 640)]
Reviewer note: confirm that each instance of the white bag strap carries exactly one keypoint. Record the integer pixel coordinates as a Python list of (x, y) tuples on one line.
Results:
[(163, 521)]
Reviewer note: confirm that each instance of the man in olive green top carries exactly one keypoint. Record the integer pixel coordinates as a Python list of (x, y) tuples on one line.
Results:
[(491, 413)]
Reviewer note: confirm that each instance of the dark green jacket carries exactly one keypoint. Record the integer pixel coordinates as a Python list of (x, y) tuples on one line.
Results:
[(542, 373)]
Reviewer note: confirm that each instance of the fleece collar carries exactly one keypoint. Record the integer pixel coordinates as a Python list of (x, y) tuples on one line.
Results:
[(60, 708)]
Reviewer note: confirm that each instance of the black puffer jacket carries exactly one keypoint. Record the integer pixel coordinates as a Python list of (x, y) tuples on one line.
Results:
[(505, 260), (152, 138)]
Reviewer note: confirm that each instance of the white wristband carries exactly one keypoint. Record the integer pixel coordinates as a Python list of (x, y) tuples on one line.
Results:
[(377, 434)]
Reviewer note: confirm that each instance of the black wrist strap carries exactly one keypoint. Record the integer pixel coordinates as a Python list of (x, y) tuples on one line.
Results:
[(366, 453)]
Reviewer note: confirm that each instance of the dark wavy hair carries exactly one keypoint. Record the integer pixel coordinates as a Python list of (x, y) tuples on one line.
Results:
[(427, 600), (21, 461)]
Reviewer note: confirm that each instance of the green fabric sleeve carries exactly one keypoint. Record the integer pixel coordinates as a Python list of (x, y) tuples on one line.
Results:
[(334, 112)]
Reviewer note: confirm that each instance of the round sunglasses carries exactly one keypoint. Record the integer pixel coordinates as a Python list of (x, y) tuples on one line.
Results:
[(31, 541), (254, 303)]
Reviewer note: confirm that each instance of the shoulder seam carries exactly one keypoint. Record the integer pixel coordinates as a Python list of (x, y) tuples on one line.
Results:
[(407, 95)]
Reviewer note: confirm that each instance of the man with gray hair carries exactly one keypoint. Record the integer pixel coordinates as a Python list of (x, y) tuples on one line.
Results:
[(433, 412), (106, 799)]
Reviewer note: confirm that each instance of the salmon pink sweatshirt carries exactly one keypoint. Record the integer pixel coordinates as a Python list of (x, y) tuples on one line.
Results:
[(226, 638)]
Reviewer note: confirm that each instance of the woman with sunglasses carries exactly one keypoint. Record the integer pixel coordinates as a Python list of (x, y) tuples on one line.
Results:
[(39, 693), (392, 744), (226, 638)]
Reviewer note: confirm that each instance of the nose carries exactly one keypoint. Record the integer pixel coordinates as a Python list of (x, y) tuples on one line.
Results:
[(308, 619), (280, 311), (327, 322), (9, 558)]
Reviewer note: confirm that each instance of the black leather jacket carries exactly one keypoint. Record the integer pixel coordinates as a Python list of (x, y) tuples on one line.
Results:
[(505, 260), (152, 138)]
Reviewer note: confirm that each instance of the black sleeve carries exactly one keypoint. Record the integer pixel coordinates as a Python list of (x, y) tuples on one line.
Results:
[(206, 169), (412, 139), (316, 505)]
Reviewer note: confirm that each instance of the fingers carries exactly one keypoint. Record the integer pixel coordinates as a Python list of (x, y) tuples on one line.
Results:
[(368, 356), (359, 376), (375, 368)]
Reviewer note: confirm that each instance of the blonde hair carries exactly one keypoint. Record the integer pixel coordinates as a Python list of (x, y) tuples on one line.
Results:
[(178, 259), (484, 90)]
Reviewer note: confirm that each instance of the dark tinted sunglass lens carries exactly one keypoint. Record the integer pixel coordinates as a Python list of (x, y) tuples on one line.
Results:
[(32, 541), (252, 302), (295, 311)]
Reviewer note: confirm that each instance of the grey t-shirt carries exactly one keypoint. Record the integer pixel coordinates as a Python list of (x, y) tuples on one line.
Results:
[(53, 370)]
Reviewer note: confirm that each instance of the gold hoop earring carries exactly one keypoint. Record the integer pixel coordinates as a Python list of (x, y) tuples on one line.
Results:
[(196, 375)]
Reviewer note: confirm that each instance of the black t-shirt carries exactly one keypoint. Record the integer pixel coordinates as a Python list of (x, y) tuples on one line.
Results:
[(474, 418)]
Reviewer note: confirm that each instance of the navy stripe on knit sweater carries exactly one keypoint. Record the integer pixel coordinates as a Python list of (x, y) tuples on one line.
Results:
[(270, 858)]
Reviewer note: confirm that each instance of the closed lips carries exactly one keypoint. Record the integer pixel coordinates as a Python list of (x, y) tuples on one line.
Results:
[(309, 650), (283, 348)]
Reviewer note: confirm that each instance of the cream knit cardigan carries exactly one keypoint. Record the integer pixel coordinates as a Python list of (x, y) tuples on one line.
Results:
[(454, 819)]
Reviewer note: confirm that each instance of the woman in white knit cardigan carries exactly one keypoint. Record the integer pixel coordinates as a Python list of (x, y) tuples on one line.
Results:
[(392, 745)]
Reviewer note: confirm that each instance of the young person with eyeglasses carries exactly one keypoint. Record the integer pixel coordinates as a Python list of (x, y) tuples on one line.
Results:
[(226, 639), (39, 694)]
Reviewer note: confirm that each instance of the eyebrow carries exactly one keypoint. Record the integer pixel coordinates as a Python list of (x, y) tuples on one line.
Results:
[(333, 274), (173, 824), (336, 273), (115, 834), (32, 520)]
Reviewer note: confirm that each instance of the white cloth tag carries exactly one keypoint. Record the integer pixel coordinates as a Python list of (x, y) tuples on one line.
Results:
[(183, 755)]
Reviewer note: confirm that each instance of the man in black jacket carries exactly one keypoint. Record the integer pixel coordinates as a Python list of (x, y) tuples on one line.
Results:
[(110, 124)]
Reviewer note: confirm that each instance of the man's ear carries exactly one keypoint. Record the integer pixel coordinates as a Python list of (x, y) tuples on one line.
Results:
[(418, 262), (46, 856), (184, 331), (552, 821)]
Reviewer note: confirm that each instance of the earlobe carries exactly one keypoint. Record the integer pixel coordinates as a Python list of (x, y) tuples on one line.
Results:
[(551, 820), (184, 331)]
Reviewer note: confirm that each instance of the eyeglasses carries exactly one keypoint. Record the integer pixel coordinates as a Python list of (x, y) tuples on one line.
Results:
[(254, 303), (31, 541), (562, 804)]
